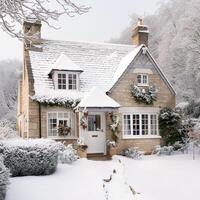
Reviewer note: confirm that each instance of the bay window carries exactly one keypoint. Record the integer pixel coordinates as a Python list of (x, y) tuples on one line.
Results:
[(140, 125)]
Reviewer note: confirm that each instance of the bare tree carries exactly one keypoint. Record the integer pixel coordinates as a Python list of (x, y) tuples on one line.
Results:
[(14, 12)]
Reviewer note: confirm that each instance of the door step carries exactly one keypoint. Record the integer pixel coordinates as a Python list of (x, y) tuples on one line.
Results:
[(96, 156)]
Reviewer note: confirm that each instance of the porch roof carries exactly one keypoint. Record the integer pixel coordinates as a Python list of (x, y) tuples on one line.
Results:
[(96, 98)]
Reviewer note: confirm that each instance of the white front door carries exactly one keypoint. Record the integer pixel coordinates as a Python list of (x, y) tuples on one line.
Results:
[(95, 137)]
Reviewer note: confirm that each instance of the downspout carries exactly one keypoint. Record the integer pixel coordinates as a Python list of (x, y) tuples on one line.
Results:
[(40, 126)]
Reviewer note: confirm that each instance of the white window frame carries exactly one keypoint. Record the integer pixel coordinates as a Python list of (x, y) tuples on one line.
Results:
[(149, 135), (142, 80), (55, 79), (72, 135)]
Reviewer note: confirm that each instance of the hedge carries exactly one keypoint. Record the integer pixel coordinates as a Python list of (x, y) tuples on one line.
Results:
[(31, 156)]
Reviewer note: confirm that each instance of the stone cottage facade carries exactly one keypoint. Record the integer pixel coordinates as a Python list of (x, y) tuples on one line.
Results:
[(95, 91)]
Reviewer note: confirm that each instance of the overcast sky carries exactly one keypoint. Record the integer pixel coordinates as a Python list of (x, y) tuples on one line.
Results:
[(106, 19)]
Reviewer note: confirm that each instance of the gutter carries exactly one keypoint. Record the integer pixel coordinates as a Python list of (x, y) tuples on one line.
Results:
[(40, 126)]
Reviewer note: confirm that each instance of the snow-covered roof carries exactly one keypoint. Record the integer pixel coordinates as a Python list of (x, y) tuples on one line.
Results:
[(125, 62), (102, 64), (66, 64), (99, 62), (97, 98)]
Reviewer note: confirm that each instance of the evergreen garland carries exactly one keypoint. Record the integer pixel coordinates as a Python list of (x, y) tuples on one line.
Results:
[(114, 127), (141, 95), (68, 103)]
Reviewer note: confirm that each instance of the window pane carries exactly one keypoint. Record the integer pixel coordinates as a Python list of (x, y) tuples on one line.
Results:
[(139, 79), (136, 124), (94, 122), (61, 81), (52, 124), (144, 124), (72, 81), (154, 125), (144, 79), (127, 125)]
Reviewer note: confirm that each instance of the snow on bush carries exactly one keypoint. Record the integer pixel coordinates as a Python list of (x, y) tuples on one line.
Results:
[(4, 179), (30, 157), (68, 155), (132, 152), (165, 150), (7, 129)]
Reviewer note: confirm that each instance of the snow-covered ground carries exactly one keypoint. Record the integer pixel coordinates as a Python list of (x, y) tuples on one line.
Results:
[(174, 177)]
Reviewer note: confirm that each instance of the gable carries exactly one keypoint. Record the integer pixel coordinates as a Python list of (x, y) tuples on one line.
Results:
[(142, 64)]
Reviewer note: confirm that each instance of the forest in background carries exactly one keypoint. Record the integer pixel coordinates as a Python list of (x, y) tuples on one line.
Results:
[(174, 41)]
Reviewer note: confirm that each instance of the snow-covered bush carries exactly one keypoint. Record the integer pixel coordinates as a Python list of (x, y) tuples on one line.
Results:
[(165, 150), (171, 127), (7, 129), (69, 155), (30, 157), (4, 179), (132, 152)]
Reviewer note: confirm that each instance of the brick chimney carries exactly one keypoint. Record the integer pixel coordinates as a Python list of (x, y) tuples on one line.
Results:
[(32, 29), (140, 33)]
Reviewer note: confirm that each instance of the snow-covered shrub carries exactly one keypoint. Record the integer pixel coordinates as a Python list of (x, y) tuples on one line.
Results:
[(4, 179), (69, 155), (132, 152), (30, 157), (165, 150), (171, 126), (7, 129)]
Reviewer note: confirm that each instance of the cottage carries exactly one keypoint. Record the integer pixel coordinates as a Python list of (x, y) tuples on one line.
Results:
[(96, 91)]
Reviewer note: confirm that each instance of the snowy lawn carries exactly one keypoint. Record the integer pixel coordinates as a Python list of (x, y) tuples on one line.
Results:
[(156, 178)]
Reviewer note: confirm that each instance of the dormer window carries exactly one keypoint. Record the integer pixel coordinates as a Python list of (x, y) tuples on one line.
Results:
[(65, 73), (67, 80), (142, 80)]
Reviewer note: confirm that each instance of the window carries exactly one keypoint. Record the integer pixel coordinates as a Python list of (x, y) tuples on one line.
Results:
[(94, 122), (154, 125), (72, 81), (61, 81), (136, 124), (127, 124), (58, 118), (140, 125), (145, 124), (67, 81), (142, 80)]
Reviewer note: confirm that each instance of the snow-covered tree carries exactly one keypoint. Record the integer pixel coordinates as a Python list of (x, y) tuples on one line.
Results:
[(10, 71), (14, 12)]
